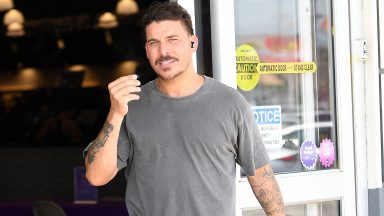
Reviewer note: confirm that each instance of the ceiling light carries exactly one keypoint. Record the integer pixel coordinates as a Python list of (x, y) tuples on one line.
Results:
[(126, 7), (60, 43), (127, 67), (6, 5), (77, 68), (15, 29), (107, 20), (13, 16)]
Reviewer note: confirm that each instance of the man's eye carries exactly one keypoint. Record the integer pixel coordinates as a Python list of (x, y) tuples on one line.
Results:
[(173, 39), (152, 43)]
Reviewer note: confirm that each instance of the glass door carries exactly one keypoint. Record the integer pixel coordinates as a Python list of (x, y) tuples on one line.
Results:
[(292, 78), (290, 60)]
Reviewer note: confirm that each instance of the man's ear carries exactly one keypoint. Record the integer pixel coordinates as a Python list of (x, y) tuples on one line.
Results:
[(194, 42)]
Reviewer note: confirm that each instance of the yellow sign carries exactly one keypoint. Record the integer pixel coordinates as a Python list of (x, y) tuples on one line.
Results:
[(286, 67), (249, 68), (246, 67)]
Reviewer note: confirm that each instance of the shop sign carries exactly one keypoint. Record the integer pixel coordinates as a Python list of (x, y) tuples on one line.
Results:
[(286, 67), (268, 118), (249, 68), (308, 154), (327, 153), (246, 63)]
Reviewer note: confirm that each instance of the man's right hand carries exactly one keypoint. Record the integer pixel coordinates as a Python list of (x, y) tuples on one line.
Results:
[(122, 91), (101, 161)]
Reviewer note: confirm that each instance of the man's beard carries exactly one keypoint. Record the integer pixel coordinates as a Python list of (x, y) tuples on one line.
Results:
[(167, 78), (164, 70)]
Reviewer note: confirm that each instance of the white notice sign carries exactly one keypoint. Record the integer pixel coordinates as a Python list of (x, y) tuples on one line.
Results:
[(268, 118)]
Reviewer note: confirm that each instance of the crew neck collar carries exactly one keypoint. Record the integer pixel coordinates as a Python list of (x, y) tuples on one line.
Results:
[(198, 92)]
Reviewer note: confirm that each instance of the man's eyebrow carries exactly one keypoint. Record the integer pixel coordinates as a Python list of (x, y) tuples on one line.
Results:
[(152, 40), (156, 40), (171, 36)]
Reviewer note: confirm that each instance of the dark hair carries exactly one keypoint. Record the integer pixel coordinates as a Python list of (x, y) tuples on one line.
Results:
[(160, 11)]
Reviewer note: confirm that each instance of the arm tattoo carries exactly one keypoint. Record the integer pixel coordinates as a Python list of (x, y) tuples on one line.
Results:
[(99, 141), (268, 193)]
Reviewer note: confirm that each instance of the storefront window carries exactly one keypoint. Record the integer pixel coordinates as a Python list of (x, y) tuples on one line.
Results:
[(284, 60)]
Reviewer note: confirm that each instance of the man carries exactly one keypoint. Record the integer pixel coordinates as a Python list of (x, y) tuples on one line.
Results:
[(181, 135)]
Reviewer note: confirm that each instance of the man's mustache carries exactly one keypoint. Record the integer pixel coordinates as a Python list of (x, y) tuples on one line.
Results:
[(165, 58)]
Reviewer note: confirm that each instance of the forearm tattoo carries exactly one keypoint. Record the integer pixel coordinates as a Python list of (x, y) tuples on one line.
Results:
[(268, 193), (100, 140)]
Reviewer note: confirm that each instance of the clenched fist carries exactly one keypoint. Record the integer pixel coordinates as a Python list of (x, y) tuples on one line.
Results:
[(121, 91)]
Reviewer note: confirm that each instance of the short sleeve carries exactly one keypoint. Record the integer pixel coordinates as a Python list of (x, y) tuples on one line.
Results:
[(252, 153), (124, 147)]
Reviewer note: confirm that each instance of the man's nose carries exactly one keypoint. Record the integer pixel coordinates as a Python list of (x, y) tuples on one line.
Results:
[(164, 49)]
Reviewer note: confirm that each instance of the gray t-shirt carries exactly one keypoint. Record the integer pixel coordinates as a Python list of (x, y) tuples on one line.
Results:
[(181, 153)]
